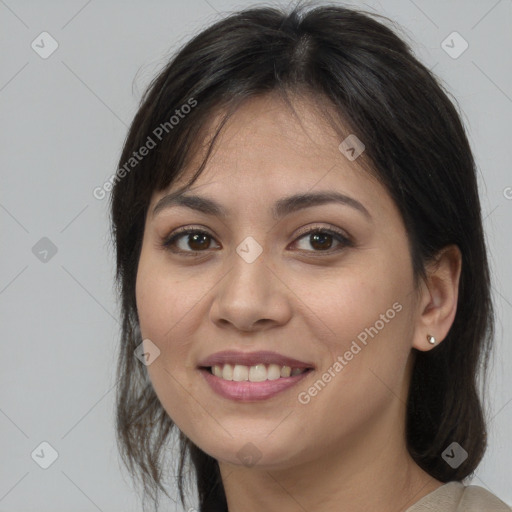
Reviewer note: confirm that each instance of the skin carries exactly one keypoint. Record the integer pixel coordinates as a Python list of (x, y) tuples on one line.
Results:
[(345, 449)]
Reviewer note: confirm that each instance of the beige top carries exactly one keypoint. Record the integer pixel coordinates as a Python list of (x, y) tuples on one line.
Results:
[(456, 497)]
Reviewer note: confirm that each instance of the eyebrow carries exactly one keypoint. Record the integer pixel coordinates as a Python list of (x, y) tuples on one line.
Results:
[(281, 208)]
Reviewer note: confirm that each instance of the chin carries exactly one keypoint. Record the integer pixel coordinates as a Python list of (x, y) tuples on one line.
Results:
[(258, 452)]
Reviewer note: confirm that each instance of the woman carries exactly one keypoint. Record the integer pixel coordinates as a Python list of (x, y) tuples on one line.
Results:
[(303, 274)]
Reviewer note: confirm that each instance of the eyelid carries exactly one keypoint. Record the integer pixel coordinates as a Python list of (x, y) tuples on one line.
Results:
[(167, 241), (321, 227), (343, 238)]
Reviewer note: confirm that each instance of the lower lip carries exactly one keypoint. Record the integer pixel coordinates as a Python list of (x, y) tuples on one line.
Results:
[(246, 391)]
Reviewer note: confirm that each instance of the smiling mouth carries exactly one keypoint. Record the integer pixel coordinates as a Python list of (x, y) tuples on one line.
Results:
[(255, 373)]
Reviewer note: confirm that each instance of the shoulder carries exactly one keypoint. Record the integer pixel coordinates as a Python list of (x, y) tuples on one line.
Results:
[(456, 497), (479, 499)]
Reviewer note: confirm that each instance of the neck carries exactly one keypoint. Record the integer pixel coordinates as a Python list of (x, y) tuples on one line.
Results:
[(370, 471)]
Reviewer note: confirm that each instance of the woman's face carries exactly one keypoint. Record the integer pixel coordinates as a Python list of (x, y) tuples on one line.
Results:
[(340, 303)]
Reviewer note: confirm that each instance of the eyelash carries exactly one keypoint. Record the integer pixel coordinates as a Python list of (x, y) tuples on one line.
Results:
[(169, 241)]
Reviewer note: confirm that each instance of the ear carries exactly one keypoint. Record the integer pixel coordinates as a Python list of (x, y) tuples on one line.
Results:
[(437, 304)]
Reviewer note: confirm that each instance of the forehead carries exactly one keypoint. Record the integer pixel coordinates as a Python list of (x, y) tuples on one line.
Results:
[(268, 142), (266, 153)]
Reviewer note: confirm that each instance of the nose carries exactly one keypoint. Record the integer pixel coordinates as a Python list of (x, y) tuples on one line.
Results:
[(251, 297)]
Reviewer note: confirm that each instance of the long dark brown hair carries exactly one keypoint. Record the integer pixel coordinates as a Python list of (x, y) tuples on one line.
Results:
[(416, 146)]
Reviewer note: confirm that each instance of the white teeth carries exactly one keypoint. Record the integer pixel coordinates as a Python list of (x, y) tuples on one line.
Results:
[(240, 373), (227, 372), (286, 371), (256, 373), (273, 372)]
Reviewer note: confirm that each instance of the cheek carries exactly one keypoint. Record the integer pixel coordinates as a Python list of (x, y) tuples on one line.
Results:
[(352, 299), (164, 296), (162, 303), (364, 311), (163, 300), (156, 302)]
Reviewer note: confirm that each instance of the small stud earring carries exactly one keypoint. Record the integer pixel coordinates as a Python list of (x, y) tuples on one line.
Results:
[(431, 339)]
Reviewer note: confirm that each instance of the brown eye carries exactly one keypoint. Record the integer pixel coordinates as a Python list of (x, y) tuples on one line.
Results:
[(198, 241), (188, 241), (321, 240), (192, 241)]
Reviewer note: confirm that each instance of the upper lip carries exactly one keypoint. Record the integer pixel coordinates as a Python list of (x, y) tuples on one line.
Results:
[(252, 358)]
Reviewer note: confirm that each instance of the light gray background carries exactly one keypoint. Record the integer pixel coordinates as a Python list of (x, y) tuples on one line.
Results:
[(64, 120)]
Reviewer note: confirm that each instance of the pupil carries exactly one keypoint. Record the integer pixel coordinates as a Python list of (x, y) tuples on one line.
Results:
[(195, 239), (322, 238)]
